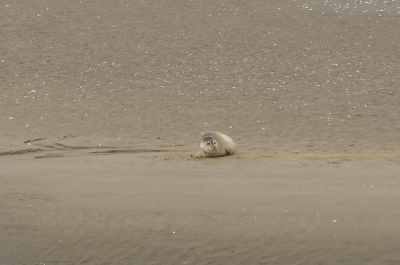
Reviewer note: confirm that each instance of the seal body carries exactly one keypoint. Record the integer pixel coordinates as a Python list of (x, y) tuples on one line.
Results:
[(214, 144)]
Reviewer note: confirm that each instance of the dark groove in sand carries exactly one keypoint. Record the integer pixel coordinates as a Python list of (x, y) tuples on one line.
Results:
[(34, 140), (133, 151), (18, 152)]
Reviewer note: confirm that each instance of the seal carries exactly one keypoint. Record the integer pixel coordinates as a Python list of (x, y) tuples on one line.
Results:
[(214, 144)]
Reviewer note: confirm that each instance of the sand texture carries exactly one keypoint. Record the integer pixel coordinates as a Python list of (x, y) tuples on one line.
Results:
[(103, 104)]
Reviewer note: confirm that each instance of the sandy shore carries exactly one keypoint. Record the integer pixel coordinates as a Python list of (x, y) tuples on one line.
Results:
[(168, 208), (102, 104)]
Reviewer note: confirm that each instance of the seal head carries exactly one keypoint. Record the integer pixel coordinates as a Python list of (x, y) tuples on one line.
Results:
[(208, 145)]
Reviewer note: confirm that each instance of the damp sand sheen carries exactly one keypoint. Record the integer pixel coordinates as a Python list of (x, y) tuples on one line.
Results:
[(102, 106)]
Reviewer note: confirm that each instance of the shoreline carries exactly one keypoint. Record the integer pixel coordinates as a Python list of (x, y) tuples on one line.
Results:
[(42, 148)]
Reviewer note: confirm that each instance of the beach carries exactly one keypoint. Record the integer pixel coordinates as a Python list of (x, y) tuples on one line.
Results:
[(103, 105)]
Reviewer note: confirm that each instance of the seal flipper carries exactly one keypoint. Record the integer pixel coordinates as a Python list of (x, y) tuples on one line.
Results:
[(229, 151)]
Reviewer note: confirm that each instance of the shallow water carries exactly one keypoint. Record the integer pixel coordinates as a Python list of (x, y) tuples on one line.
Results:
[(287, 75)]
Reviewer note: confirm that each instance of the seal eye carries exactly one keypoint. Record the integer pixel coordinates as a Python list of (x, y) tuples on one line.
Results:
[(208, 143)]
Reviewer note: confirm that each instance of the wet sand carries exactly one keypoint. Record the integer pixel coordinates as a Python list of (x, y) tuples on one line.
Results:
[(103, 104)]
